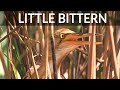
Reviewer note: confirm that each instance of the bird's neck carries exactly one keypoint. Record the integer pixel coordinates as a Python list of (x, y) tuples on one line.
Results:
[(61, 51)]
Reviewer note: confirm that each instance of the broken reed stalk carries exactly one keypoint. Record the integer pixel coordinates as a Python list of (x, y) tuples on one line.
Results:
[(7, 73), (53, 52), (92, 55)]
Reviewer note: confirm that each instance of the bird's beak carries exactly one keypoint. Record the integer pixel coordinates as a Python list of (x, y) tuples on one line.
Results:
[(73, 39)]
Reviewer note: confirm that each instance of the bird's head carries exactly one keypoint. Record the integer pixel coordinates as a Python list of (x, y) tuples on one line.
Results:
[(66, 41), (68, 37)]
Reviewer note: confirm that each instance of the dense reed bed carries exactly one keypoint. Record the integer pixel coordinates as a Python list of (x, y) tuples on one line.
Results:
[(24, 47)]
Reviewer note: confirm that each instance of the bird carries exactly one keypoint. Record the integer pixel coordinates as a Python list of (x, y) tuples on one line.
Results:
[(66, 40)]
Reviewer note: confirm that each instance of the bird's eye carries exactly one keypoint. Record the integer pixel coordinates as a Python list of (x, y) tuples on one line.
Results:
[(62, 35)]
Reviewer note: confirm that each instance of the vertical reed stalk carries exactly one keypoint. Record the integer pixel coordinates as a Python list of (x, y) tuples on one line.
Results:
[(46, 46), (92, 56), (53, 52), (105, 53), (116, 69)]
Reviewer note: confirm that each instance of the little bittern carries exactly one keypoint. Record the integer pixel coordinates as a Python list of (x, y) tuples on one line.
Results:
[(65, 42)]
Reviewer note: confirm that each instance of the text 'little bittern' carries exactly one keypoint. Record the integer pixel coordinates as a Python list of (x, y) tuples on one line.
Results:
[(65, 42)]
